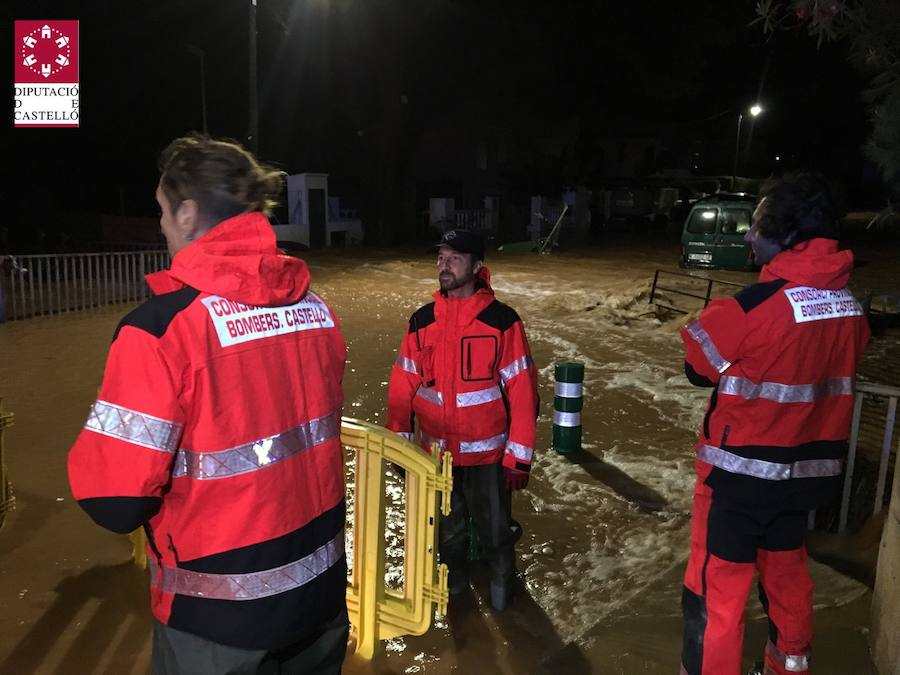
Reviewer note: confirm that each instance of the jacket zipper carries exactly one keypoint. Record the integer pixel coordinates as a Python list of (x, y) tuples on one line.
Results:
[(709, 411), (725, 436), (469, 360), (172, 548), (151, 539)]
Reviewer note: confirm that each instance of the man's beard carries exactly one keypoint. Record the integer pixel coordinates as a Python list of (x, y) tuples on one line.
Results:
[(449, 282)]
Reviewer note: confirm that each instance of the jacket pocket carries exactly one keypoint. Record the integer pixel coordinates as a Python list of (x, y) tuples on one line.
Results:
[(478, 357), (426, 366)]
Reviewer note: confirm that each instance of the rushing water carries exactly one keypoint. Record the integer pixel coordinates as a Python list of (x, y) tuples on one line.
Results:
[(599, 527)]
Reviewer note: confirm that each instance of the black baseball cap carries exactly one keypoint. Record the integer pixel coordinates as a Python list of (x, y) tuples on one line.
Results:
[(463, 241)]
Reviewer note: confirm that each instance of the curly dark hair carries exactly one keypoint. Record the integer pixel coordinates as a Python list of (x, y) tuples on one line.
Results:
[(798, 207), (221, 176)]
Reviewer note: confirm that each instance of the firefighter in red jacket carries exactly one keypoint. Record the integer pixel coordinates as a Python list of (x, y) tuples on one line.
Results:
[(217, 430), (464, 380), (781, 357)]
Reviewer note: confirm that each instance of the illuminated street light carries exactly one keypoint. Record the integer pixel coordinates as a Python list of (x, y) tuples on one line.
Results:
[(755, 110)]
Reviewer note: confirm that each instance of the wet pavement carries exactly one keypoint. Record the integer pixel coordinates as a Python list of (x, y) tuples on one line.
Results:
[(605, 530)]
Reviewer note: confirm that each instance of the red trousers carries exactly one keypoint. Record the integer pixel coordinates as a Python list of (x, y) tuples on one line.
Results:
[(728, 546)]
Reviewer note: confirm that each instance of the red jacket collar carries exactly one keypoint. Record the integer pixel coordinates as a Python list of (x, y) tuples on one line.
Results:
[(462, 311), (237, 259), (817, 263)]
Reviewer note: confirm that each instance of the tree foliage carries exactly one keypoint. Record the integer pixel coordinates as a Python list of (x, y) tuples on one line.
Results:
[(871, 28)]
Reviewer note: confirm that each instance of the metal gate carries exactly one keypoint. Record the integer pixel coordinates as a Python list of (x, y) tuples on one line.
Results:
[(40, 285)]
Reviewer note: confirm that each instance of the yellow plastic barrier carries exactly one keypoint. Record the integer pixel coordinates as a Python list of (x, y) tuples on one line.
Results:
[(7, 499), (377, 613)]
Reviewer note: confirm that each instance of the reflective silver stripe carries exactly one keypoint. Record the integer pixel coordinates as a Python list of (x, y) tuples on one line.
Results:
[(431, 395), (491, 443), (796, 664), (428, 441), (519, 451), (566, 419), (258, 454), (470, 398), (250, 586), (792, 663), (701, 337), (786, 393), (408, 435), (569, 389), (520, 365), (807, 468), (407, 364), (133, 426)]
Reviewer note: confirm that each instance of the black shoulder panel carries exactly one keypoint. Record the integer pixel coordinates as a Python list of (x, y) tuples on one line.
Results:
[(421, 317), (499, 316), (754, 295), (155, 315), (696, 378)]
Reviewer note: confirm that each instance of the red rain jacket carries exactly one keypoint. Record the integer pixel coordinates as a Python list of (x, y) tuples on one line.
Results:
[(782, 356), (465, 373), (217, 428)]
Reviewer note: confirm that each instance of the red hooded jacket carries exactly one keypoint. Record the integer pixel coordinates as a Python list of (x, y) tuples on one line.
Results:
[(782, 356), (465, 373), (217, 428)]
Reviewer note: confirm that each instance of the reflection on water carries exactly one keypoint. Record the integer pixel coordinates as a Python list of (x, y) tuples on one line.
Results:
[(599, 527)]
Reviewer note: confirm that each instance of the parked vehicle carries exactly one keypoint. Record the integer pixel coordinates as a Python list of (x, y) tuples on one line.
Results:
[(713, 234)]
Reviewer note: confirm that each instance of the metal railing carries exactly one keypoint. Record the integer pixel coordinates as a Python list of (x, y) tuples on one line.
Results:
[(40, 285), (477, 220), (7, 498), (706, 297), (892, 394)]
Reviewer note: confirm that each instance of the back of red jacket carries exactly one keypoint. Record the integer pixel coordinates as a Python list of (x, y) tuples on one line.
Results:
[(782, 356), (217, 428)]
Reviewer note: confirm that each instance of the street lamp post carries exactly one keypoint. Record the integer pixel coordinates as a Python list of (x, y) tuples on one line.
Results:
[(755, 110), (199, 52), (253, 124)]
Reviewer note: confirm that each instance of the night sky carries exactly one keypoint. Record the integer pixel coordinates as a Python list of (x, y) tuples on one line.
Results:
[(343, 82)]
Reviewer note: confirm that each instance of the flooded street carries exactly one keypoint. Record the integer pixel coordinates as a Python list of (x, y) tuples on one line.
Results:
[(600, 528)]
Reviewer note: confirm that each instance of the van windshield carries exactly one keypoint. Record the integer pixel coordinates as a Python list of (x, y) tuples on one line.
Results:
[(703, 221), (735, 221)]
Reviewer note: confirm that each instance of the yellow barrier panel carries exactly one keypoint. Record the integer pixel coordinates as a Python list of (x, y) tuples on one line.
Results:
[(139, 548), (377, 613), (7, 499)]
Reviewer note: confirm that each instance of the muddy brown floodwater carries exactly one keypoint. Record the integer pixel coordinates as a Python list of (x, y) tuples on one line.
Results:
[(605, 531)]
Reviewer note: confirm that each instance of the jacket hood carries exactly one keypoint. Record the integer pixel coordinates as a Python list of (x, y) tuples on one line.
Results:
[(817, 263), (239, 260), (462, 311)]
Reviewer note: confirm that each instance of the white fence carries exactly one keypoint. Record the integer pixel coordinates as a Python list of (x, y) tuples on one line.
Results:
[(39, 285), (476, 220), (892, 394)]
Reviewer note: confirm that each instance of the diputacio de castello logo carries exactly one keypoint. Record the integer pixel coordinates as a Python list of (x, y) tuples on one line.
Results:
[(46, 82)]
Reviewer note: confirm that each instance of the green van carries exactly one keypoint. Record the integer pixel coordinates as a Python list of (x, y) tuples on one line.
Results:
[(714, 230)]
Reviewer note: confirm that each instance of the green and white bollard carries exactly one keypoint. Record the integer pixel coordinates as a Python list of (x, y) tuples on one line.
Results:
[(567, 404)]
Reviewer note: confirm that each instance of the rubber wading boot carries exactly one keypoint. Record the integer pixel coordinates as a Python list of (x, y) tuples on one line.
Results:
[(500, 595), (458, 580)]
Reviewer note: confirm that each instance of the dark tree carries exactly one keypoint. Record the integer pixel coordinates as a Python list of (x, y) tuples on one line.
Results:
[(872, 30)]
